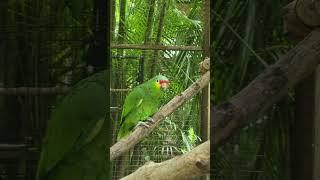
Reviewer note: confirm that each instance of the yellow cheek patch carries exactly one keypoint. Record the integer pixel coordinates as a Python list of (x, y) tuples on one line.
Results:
[(158, 85)]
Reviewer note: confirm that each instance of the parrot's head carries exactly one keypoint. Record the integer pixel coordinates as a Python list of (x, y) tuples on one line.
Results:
[(161, 82)]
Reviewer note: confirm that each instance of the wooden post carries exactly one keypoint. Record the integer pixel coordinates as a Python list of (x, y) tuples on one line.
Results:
[(205, 96), (305, 154), (316, 165), (205, 101), (303, 130)]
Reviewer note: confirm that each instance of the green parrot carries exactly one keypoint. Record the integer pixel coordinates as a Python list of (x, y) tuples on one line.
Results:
[(142, 102), (75, 146)]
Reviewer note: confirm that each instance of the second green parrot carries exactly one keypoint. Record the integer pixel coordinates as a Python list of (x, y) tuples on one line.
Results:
[(75, 145), (142, 102)]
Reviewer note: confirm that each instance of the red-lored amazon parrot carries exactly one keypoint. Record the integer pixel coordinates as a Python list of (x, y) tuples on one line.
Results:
[(76, 140), (142, 102)]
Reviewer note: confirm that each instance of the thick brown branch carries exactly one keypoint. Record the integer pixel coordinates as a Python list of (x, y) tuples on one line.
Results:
[(192, 164), (309, 12), (300, 16), (265, 90), (293, 26), (140, 132)]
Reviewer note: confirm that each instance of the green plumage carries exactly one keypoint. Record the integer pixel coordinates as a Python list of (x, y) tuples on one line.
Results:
[(75, 144), (143, 101)]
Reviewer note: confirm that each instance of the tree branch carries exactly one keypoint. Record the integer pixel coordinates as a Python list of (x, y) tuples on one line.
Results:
[(309, 12), (268, 88), (192, 164), (140, 132)]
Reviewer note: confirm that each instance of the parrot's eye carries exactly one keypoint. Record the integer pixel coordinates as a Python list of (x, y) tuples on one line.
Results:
[(157, 80)]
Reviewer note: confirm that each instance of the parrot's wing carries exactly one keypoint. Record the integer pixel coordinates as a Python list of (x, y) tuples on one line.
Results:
[(73, 118), (132, 102), (89, 133)]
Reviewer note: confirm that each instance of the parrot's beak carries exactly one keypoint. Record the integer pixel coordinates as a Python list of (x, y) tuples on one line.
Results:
[(164, 85)]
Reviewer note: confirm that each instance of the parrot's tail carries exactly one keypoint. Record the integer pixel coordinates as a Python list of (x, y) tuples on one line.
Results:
[(120, 134), (123, 132)]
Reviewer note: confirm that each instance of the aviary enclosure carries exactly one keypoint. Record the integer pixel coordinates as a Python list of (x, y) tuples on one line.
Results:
[(160, 37)]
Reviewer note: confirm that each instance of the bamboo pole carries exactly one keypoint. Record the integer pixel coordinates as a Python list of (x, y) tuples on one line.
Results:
[(35, 91), (156, 47)]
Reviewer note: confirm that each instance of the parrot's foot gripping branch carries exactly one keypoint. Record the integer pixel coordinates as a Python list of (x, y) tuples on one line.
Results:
[(146, 124), (141, 123), (149, 119)]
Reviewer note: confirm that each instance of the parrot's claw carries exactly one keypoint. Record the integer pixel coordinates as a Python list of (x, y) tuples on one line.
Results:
[(140, 123), (151, 120)]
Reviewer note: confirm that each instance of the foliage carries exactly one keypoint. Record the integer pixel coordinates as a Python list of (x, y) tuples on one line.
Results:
[(189, 140)]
